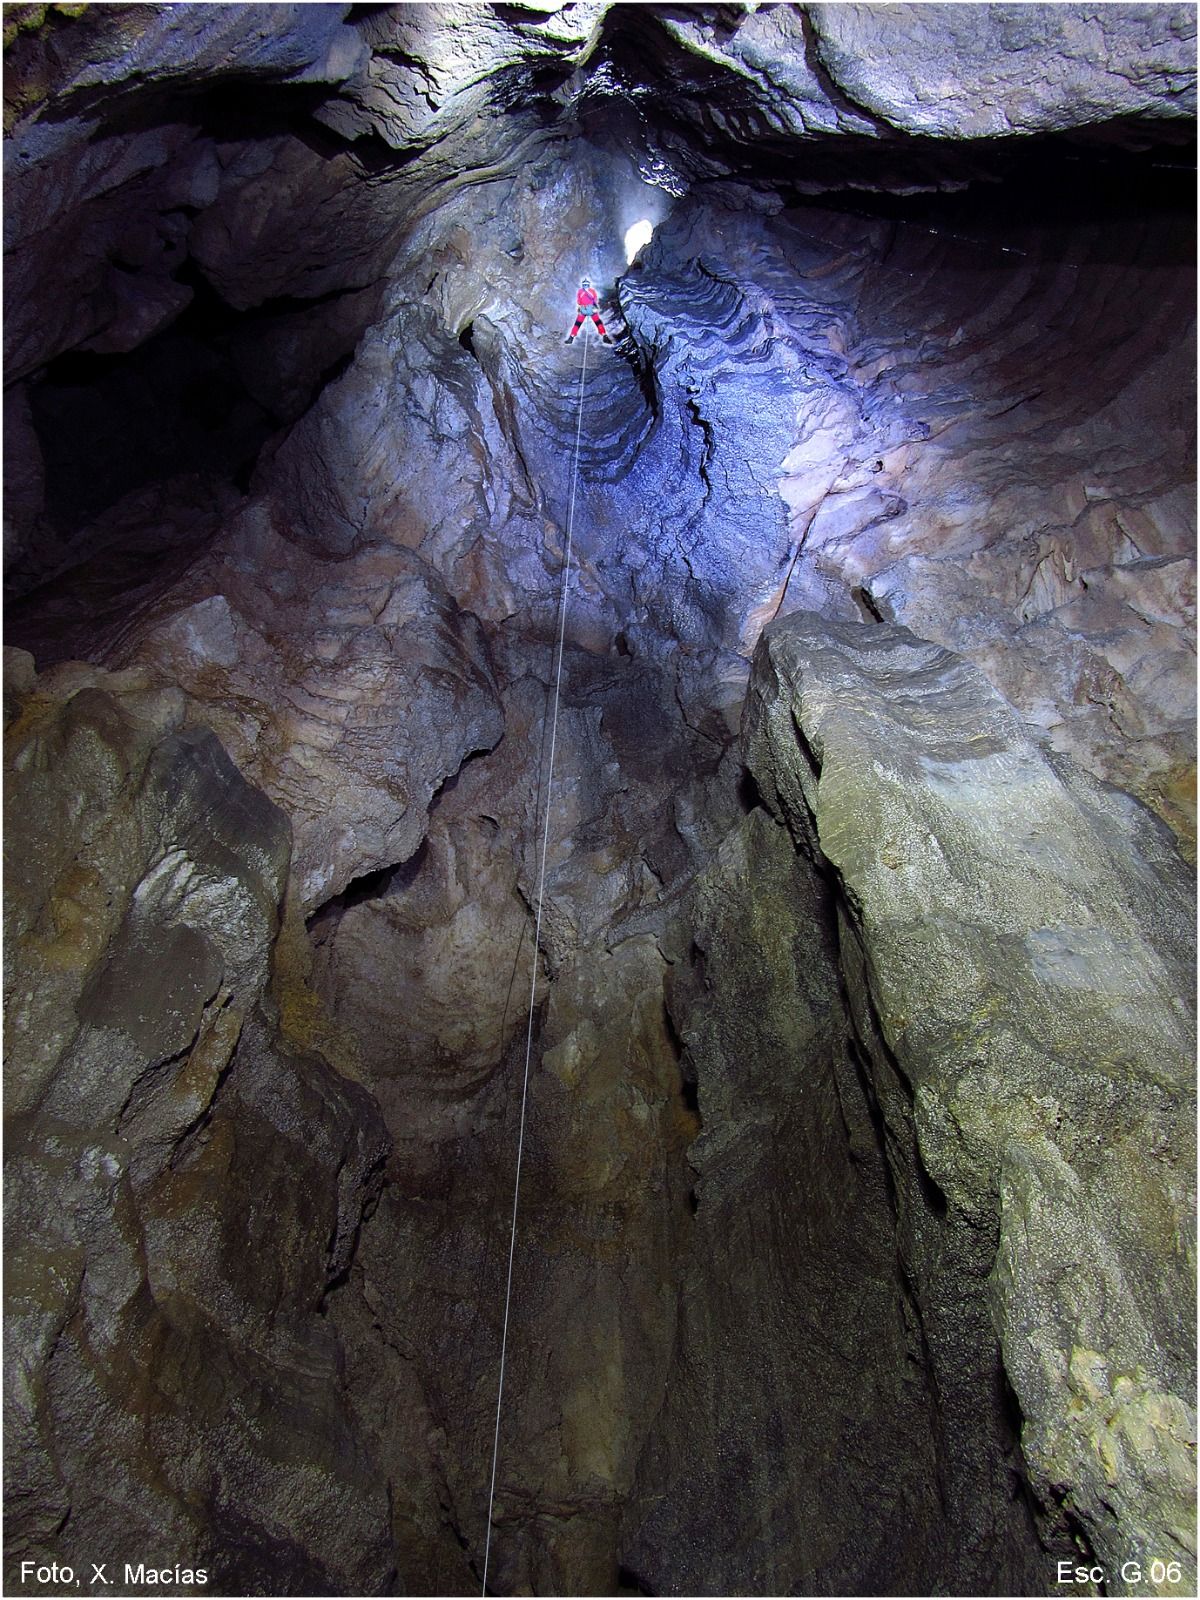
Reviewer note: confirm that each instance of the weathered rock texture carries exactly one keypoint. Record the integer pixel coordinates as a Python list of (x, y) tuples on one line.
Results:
[(183, 1188), (810, 1175), (1015, 942), (797, 1384)]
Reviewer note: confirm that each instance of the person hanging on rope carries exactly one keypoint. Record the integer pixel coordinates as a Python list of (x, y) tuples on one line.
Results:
[(588, 303)]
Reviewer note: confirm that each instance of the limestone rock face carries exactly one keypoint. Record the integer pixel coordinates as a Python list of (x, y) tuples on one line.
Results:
[(976, 423), (1016, 940), (603, 1200), (345, 712), (1034, 538), (795, 1393), (604, 1181), (181, 1185), (956, 71), (891, 61)]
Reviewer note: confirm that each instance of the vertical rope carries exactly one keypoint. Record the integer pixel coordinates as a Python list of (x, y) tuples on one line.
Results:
[(537, 933)]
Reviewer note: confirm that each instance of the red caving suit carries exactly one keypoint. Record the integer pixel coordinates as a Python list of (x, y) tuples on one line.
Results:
[(588, 301)]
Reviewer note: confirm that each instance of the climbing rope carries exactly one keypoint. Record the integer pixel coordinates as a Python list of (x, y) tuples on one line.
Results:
[(537, 932)]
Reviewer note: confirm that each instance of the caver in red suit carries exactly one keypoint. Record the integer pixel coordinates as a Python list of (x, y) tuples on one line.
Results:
[(588, 302)]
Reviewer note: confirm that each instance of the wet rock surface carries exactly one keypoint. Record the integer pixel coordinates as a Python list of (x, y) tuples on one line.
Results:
[(857, 1179)]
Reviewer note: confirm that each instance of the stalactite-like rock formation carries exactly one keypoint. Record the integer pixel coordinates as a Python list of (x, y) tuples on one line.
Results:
[(854, 1241)]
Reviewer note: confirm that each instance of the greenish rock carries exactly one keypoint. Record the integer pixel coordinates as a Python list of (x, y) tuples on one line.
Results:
[(1017, 942)]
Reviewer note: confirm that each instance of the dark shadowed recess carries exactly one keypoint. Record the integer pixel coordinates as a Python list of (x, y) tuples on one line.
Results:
[(109, 424), (1059, 185), (369, 886)]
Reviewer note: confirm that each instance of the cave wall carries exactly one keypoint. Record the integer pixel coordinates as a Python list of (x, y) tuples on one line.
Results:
[(858, 1168), (183, 1188), (1029, 1053), (798, 1388)]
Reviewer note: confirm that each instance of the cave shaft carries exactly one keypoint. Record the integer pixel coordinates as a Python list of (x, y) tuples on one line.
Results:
[(738, 772)]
